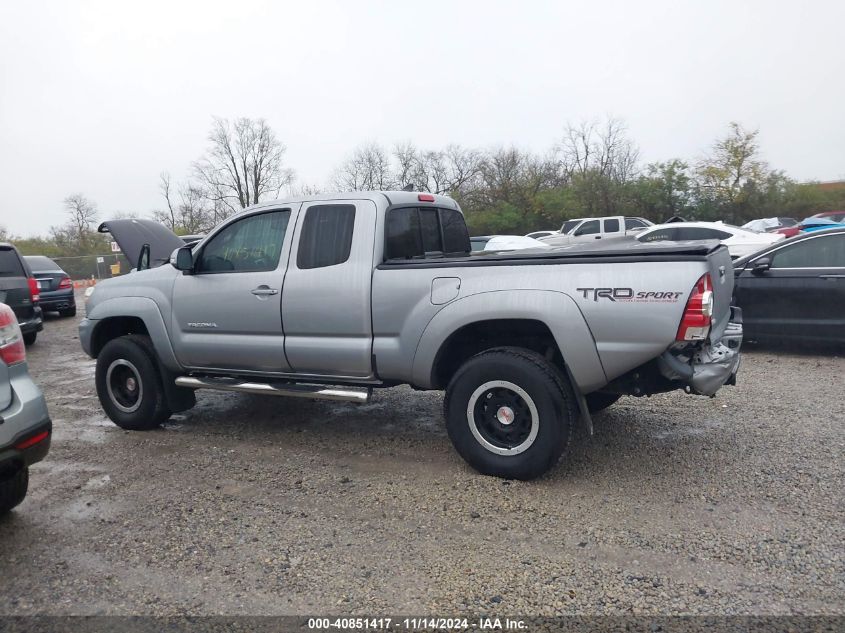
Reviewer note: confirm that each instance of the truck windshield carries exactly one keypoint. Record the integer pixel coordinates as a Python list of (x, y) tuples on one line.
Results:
[(569, 225)]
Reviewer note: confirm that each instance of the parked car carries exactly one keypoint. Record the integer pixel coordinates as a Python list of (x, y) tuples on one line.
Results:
[(820, 221), (768, 225), (739, 241), (55, 287), (589, 229), (818, 224), (538, 234), (836, 216), (478, 242), (26, 427), (794, 289), (19, 290), (520, 341), (513, 243)]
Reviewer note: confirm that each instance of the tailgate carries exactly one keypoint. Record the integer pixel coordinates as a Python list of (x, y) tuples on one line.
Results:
[(720, 267)]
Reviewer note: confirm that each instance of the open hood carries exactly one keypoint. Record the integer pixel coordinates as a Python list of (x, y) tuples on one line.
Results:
[(131, 235)]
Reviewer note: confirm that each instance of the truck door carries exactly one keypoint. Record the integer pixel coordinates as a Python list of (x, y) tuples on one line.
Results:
[(326, 300), (227, 311)]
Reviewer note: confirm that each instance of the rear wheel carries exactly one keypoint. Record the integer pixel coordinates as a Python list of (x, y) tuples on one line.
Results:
[(13, 486), (599, 401), (509, 413), (129, 383), (29, 338)]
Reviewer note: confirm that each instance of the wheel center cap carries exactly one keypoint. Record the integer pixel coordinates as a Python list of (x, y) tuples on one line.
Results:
[(505, 415), (131, 384)]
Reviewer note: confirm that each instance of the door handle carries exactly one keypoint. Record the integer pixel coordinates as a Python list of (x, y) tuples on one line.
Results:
[(263, 291), (831, 276)]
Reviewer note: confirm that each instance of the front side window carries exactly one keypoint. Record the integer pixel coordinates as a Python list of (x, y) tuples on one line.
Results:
[(326, 238), (252, 244), (817, 252), (588, 228)]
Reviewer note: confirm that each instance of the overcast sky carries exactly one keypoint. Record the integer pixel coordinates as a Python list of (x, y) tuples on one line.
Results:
[(100, 97)]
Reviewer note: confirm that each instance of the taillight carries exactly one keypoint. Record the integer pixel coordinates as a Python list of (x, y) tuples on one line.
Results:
[(65, 283), (695, 324), (32, 441), (33, 289), (425, 197), (12, 349)]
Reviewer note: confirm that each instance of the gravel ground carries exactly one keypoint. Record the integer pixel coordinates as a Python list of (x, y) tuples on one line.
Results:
[(250, 505)]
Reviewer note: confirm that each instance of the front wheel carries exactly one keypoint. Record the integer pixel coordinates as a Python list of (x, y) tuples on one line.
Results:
[(129, 383), (509, 413)]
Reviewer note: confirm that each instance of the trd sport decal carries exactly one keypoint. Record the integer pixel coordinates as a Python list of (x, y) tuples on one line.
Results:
[(629, 296)]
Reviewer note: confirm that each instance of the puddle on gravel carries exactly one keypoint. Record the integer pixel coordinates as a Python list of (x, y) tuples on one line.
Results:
[(97, 482)]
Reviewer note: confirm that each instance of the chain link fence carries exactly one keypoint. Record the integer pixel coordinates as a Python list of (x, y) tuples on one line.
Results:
[(82, 267)]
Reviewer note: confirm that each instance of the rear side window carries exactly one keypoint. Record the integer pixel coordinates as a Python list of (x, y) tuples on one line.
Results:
[(634, 223), (10, 265), (659, 234), (413, 232), (326, 238), (611, 226), (701, 233)]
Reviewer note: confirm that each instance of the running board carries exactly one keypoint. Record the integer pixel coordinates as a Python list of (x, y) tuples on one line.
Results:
[(315, 392)]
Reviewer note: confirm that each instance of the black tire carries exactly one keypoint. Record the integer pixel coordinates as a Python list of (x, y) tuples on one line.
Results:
[(70, 312), (129, 383), (481, 442), (598, 401), (29, 338), (13, 487)]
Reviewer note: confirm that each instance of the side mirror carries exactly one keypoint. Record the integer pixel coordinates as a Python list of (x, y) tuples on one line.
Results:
[(143, 258), (182, 259), (761, 266)]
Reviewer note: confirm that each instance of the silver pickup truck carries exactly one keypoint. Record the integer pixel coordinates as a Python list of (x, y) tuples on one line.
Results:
[(333, 296)]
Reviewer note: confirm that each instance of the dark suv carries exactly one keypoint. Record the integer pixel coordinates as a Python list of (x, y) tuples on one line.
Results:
[(19, 290)]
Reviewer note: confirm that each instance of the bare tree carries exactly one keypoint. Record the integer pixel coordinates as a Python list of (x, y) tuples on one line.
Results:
[(243, 165), (188, 208), (604, 150), (448, 171), (368, 169), (83, 213)]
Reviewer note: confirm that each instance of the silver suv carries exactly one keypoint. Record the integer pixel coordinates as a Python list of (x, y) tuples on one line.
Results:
[(25, 427)]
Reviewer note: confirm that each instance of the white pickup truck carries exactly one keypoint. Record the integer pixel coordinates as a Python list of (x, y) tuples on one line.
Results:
[(588, 229)]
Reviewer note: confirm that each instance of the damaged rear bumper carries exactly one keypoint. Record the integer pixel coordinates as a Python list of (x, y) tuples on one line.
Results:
[(708, 368)]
